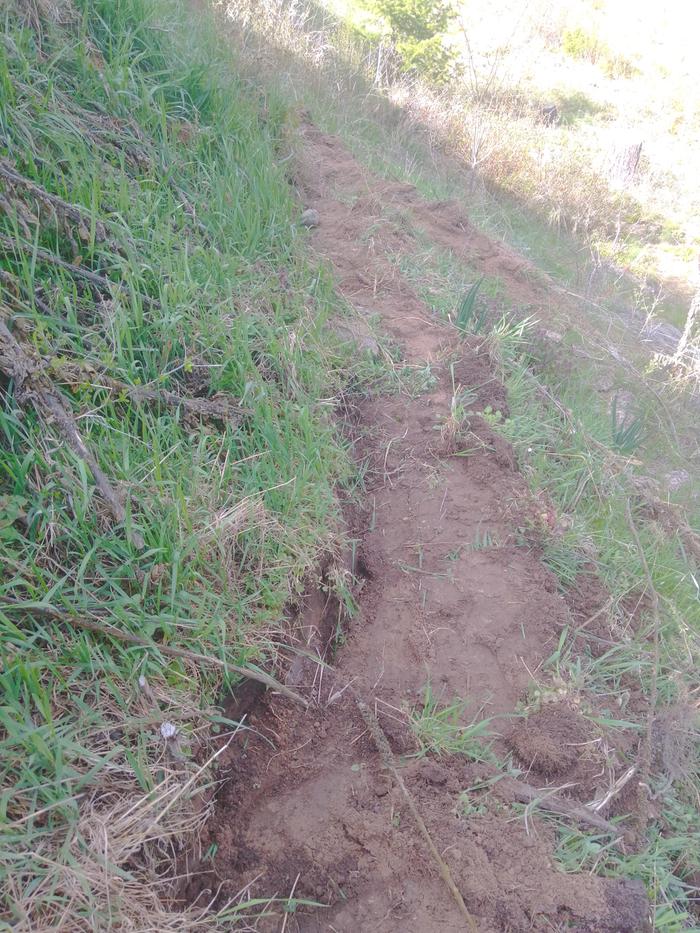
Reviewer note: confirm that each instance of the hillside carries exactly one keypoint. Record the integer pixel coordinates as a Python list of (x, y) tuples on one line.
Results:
[(350, 551), (168, 457), (547, 100)]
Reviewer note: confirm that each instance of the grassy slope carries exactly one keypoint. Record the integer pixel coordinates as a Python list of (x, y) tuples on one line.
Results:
[(557, 176), (133, 111)]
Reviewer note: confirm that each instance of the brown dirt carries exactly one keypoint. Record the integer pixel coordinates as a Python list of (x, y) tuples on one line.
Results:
[(558, 744), (305, 805)]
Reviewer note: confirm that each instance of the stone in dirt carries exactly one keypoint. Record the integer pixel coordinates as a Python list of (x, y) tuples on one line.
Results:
[(310, 218)]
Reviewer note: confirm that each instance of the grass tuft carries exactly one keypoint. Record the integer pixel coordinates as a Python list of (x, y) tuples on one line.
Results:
[(443, 729)]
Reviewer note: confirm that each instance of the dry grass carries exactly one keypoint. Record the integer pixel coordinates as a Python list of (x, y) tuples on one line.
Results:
[(493, 125)]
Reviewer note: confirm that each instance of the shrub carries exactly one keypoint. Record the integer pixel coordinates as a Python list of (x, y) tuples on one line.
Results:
[(582, 45), (418, 30), (588, 47)]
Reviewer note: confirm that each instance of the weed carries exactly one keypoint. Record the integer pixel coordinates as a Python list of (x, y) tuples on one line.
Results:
[(440, 729), (453, 424), (470, 317), (626, 428), (482, 540)]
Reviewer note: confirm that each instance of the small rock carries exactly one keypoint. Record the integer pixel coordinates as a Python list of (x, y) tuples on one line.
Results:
[(309, 218), (382, 786), (676, 479), (168, 730), (433, 774), (355, 333)]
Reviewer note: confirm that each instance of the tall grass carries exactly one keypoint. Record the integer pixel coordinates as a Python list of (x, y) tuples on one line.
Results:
[(133, 112)]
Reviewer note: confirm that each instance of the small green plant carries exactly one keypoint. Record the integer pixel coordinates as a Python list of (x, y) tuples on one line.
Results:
[(578, 43), (470, 316), (564, 562), (482, 540), (627, 429), (441, 730), (453, 424)]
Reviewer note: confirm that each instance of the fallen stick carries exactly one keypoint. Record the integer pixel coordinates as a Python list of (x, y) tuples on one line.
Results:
[(110, 631), (221, 407), (33, 387), (387, 756), (544, 797), (13, 290), (100, 281), (646, 750), (77, 215)]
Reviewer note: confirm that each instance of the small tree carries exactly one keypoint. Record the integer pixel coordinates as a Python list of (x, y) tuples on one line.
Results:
[(418, 30)]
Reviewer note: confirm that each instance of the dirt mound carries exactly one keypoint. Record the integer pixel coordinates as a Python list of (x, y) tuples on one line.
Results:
[(558, 745), (449, 599), (320, 817)]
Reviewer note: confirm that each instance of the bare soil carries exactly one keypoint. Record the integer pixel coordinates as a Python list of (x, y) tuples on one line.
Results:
[(448, 596)]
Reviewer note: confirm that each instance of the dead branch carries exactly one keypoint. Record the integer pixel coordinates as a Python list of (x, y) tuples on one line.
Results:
[(110, 631), (33, 387), (387, 756), (645, 752), (219, 407), (545, 798), (76, 215), (99, 281), (13, 289)]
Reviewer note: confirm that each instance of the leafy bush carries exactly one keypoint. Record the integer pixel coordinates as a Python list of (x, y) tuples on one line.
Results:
[(418, 30), (582, 45)]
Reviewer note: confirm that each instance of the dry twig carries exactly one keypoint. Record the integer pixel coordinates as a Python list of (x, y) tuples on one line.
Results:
[(33, 387), (218, 407), (645, 753), (389, 762), (99, 627), (545, 798)]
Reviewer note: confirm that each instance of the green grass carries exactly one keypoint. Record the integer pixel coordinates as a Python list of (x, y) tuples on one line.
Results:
[(445, 729), (133, 111)]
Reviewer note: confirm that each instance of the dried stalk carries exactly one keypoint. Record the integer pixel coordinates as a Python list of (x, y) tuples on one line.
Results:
[(389, 762), (645, 752), (33, 387), (110, 631), (545, 798)]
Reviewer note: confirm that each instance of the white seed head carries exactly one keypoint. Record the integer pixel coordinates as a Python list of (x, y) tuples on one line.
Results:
[(168, 730)]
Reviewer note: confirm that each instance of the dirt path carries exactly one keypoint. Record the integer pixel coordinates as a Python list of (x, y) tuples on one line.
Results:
[(448, 598)]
